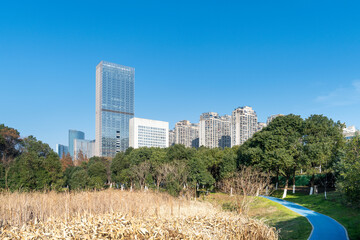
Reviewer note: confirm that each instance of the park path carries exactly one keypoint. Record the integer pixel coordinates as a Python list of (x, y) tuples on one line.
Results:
[(324, 227)]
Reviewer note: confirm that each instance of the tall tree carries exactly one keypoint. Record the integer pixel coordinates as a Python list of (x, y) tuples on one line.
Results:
[(349, 169), (276, 148), (37, 168), (322, 140), (66, 161), (9, 148)]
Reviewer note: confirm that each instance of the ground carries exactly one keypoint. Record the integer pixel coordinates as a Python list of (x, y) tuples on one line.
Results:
[(290, 224), (335, 207)]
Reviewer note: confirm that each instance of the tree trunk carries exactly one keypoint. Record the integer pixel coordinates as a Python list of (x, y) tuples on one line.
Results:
[(6, 178), (277, 180), (312, 182), (158, 185), (294, 184), (286, 186)]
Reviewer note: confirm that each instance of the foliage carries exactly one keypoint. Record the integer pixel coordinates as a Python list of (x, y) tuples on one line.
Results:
[(349, 168), (37, 168)]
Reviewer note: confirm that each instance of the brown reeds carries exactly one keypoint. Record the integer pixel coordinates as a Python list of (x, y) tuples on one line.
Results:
[(115, 214)]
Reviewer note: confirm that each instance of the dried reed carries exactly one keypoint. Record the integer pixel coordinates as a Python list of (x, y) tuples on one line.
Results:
[(115, 214)]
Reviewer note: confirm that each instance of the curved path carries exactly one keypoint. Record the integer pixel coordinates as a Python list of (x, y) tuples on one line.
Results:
[(323, 226)]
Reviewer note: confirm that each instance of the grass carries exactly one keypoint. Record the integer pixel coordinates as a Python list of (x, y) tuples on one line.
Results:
[(290, 224), (115, 214), (335, 207)]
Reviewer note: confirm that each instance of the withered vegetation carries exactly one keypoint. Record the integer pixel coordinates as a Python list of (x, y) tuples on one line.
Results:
[(114, 214)]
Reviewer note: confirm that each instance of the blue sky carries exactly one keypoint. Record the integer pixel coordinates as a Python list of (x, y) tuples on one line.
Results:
[(190, 57)]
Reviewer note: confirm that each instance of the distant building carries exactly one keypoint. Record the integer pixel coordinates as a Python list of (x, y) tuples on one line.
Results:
[(172, 137), (86, 147), (349, 132), (272, 117), (214, 131), (62, 150), (114, 107), (260, 126), (74, 134), (148, 133), (243, 125), (187, 133)]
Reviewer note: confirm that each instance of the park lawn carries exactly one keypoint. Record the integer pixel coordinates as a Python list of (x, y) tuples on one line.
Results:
[(290, 224), (335, 207)]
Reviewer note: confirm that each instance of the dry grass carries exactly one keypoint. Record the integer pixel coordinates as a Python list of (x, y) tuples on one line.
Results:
[(115, 214)]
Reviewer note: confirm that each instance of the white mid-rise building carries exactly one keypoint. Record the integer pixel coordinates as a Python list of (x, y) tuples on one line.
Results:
[(214, 131), (244, 124), (187, 133), (85, 147), (260, 126), (148, 133)]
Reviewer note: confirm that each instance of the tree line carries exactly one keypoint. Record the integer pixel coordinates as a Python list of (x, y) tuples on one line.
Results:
[(287, 147)]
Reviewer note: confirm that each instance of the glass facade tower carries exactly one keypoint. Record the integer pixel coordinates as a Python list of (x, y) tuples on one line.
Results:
[(114, 107), (74, 134)]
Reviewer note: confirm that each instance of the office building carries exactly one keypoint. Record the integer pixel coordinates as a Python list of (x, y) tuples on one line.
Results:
[(148, 133), (244, 124), (272, 117), (172, 137), (214, 130), (85, 147), (114, 107), (187, 133), (61, 150), (74, 134)]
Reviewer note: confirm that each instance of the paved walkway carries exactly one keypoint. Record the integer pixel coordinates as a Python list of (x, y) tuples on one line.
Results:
[(323, 226)]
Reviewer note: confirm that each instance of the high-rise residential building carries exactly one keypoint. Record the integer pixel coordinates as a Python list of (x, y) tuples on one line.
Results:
[(244, 124), (272, 117), (114, 107), (172, 137), (214, 131), (74, 134), (349, 132), (260, 126), (86, 147), (148, 133), (61, 150), (187, 133)]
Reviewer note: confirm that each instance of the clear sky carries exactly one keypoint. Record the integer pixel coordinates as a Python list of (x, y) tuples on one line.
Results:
[(190, 57)]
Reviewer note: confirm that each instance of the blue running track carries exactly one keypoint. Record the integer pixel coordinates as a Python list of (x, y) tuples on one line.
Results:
[(323, 226)]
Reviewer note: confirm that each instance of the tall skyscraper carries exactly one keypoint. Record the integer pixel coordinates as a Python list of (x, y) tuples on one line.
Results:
[(148, 133), (214, 131), (114, 107), (86, 147), (74, 134), (61, 150), (187, 133), (244, 124)]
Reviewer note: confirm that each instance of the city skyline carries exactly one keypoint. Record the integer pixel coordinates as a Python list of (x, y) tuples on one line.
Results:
[(191, 58)]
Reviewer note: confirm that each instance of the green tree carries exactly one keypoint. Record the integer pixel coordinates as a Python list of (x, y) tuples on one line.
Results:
[(79, 179), (277, 148), (97, 174), (9, 148), (349, 168), (323, 140), (37, 168)]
